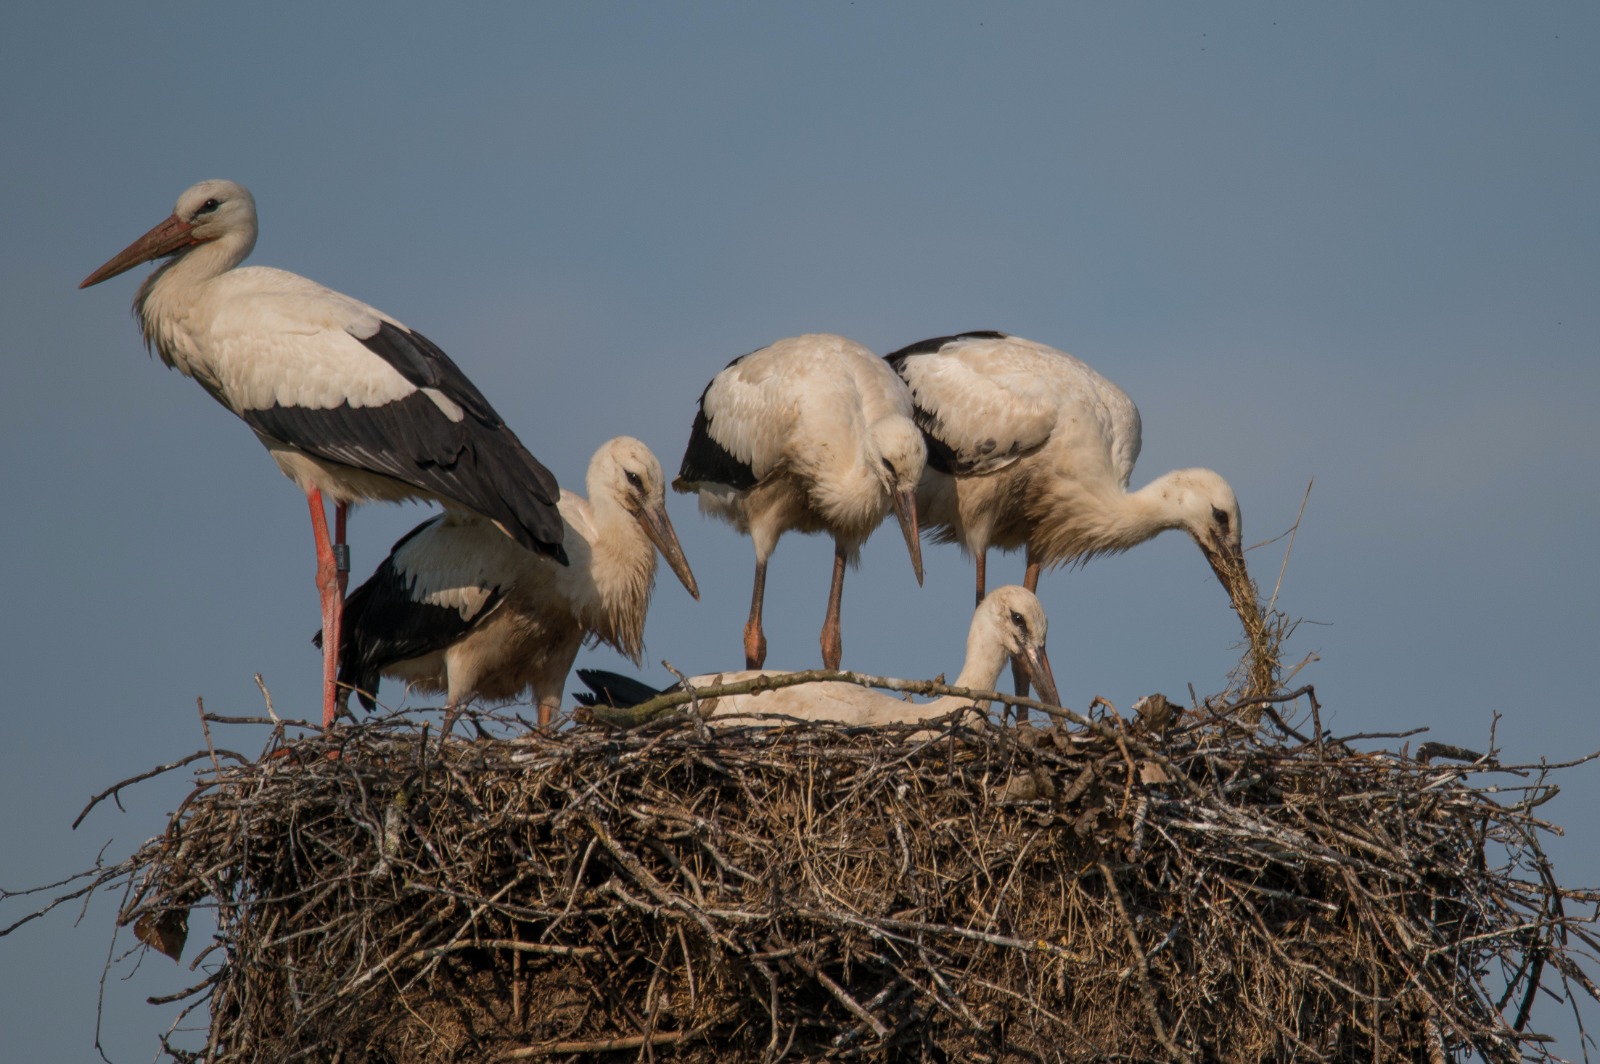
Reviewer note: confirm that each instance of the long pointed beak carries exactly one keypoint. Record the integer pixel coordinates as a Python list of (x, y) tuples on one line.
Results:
[(164, 239), (658, 527), (1036, 664), (905, 509), (1229, 566)]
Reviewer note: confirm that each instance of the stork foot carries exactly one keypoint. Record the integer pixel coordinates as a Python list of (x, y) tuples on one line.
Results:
[(755, 645)]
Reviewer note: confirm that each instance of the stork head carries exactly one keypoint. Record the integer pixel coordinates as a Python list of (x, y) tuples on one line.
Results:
[(902, 455), (1203, 504), (628, 472), (1013, 619), (208, 212)]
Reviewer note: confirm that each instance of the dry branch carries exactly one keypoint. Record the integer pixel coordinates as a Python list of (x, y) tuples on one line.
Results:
[(1096, 889)]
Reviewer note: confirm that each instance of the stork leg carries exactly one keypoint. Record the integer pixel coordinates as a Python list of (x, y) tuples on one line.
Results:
[(1030, 580), (832, 641), (330, 585), (983, 563), (755, 641)]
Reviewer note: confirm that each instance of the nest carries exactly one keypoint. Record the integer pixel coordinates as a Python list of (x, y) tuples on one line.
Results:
[(1164, 887)]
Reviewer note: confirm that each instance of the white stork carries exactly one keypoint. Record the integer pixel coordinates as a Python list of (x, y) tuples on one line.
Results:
[(458, 607), (1029, 447), (1009, 624), (812, 434), (351, 403)]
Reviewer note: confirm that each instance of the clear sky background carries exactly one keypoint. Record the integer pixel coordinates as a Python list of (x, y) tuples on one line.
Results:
[(1355, 242)]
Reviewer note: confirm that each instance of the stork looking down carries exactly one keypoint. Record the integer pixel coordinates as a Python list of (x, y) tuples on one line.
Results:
[(351, 403), (1009, 624), (811, 434), (458, 607), (1029, 447)]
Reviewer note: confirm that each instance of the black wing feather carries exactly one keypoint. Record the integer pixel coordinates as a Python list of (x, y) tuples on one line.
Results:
[(612, 689), (707, 461), (385, 624), (478, 463)]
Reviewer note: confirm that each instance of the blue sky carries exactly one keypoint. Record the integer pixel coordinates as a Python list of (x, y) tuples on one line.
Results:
[(1353, 242)]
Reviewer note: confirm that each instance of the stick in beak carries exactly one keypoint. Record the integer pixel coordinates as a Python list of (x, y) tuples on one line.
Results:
[(658, 528), (905, 509), (166, 238)]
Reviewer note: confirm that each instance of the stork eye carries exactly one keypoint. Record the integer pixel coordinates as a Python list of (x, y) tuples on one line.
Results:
[(1018, 620), (633, 478), (207, 207), (1219, 516)]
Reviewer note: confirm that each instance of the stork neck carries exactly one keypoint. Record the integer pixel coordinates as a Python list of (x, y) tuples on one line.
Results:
[(169, 297), (623, 571)]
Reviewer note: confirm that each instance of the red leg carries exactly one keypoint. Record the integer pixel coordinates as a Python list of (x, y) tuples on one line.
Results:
[(755, 641), (832, 640), (332, 603), (983, 563), (1030, 580)]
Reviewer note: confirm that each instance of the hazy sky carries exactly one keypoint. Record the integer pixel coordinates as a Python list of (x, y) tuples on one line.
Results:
[(1354, 242)]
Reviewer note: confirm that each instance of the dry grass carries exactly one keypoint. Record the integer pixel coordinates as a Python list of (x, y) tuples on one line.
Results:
[(1160, 888)]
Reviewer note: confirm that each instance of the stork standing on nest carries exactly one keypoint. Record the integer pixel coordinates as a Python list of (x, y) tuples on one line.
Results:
[(1009, 624), (1029, 447), (458, 607), (351, 403), (811, 434)]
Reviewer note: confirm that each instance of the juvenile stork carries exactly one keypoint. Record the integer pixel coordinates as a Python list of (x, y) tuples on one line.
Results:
[(811, 434), (457, 607), (1029, 447), (351, 403), (1009, 624)]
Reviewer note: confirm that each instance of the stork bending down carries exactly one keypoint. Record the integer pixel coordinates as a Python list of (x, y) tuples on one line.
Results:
[(351, 403), (813, 434), (1029, 447)]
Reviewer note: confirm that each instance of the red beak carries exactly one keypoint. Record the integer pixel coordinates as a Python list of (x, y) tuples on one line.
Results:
[(164, 239)]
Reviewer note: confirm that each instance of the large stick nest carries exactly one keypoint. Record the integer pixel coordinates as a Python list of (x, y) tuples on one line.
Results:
[(1141, 889)]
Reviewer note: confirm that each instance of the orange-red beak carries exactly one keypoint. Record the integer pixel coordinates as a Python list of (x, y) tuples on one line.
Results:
[(164, 239)]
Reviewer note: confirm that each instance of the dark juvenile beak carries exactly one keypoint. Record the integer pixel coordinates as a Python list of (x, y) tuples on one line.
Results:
[(658, 527), (1036, 664), (164, 239), (1229, 566), (905, 508)]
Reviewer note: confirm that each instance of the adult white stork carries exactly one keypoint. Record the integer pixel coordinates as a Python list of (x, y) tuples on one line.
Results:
[(458, 607), (1029, 447), (351, 403), (1009, 624), (811, 434)]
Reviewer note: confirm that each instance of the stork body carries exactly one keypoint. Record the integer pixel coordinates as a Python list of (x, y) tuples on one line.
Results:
[(352, 405), (460, 608), (1009, 624), (1029, 447), (811, 434)]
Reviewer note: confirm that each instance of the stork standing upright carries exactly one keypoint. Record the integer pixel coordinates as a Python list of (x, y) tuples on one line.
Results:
[(811, 434), (351, 403), (1009, 624), (1029, 447), (458, 607)]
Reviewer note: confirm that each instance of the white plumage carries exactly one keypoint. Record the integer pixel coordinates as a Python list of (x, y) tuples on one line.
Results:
[(351, 403), (1029, 447), (458, 607), (1009, 624), (811, 434)]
